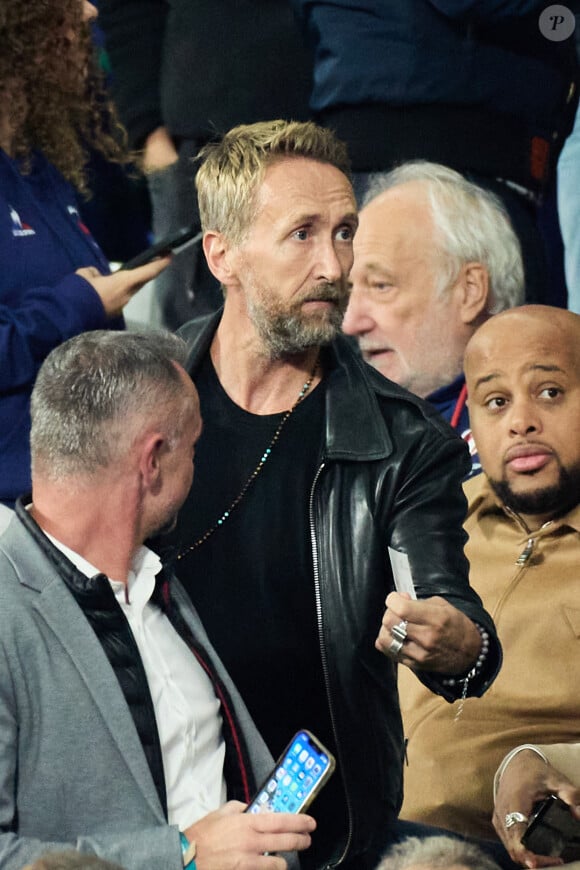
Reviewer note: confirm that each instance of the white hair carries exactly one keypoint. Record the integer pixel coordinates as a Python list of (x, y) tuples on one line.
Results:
[(471, 225), (436, 852)]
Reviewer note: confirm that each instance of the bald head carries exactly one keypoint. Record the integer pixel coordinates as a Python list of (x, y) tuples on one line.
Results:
[(542, 327), (522, 369)]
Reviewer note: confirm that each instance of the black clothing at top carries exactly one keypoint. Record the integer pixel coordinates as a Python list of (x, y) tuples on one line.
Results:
[(200, 67), (252, 578), (388, 472)]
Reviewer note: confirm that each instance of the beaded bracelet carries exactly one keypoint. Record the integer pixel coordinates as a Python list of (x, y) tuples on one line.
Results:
[(473, 671), (478, 666)]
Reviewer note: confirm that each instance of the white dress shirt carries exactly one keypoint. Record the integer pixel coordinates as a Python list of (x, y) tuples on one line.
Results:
[(187, 710)]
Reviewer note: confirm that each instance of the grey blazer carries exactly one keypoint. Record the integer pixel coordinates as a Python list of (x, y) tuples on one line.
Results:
[(72, 769)]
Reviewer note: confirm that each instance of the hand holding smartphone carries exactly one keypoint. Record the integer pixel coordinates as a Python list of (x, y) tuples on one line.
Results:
[(297, 777), (553, 830), (173, 244)]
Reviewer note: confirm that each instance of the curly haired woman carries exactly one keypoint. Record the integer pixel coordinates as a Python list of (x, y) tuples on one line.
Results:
[(54, 280)]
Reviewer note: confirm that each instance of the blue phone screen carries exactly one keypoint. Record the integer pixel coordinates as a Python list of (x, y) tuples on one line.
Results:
[(292, 782)]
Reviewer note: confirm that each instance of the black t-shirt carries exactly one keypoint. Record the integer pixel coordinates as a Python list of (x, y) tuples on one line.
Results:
[(252, 579)]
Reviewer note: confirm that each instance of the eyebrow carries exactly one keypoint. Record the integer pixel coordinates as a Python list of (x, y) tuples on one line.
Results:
[(536, 367), (373, 267), (350, 218)]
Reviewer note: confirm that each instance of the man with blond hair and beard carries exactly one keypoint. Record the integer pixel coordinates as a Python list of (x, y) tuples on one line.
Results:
[(310, 466)]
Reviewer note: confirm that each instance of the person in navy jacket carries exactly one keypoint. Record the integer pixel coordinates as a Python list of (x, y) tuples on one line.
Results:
[(54, 280)]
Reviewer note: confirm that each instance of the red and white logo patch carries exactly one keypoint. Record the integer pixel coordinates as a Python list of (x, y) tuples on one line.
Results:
[(19, 227)]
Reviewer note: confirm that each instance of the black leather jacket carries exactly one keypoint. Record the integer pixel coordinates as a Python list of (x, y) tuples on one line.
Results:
[(389, 475)]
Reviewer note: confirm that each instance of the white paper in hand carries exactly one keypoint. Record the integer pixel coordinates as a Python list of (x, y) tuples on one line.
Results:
[(402, 572)]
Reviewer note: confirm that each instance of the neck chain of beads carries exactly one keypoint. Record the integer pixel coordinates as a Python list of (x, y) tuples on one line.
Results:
[(263, 459)]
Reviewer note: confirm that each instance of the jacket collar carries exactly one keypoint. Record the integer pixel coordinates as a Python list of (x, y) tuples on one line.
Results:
[(447, 394), (352, 388), (96, 588), (75, 579), (57, 608)]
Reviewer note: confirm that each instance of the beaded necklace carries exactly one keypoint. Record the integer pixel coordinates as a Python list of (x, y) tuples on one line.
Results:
[(263, 459)]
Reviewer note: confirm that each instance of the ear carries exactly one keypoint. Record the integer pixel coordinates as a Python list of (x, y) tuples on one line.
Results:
[(473, 289), (153, 447), (218, 255)]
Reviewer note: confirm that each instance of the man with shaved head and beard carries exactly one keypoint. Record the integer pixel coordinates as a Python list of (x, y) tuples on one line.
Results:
[(531, 441), (523, 376)]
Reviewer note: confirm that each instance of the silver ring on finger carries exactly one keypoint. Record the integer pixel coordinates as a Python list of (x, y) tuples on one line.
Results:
[(512, 819), (399, 631), (395, 647)]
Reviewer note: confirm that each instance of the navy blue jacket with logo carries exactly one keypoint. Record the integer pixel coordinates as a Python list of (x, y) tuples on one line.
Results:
[(473, 84), (42, 302), (451, 402)]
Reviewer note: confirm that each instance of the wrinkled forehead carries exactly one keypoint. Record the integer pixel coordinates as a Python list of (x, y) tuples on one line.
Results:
[(513, 346), (288, 179)]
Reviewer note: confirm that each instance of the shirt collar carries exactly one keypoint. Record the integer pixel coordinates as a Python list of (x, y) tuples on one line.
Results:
[(141, 581)]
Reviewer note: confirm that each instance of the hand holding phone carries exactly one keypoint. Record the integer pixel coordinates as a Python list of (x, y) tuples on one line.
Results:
[(173, 244), (553, 830), (297, 777), (229, 838), (118, 288)]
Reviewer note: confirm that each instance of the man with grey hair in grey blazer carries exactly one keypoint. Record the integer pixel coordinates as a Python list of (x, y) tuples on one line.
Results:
[(121, 734)]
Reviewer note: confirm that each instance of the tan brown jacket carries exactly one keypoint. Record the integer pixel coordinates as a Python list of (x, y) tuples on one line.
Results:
[(530, 583)]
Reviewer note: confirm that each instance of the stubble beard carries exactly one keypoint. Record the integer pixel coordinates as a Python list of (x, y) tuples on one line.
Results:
[(162, 529), (285, 331)]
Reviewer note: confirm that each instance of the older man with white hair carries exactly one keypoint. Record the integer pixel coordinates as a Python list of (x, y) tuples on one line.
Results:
[(434, 256)]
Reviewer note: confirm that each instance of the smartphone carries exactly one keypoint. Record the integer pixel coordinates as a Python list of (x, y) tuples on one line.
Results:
[(176, 243), (298, 775), (553, 830)]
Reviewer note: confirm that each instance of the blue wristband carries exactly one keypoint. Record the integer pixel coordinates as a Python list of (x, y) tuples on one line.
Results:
[(187, 852)]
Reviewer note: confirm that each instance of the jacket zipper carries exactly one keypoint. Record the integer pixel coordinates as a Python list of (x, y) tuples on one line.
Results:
[(323, 656), (526, 552)]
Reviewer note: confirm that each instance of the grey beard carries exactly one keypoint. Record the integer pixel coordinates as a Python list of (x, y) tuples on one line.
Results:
[(288, 334)]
